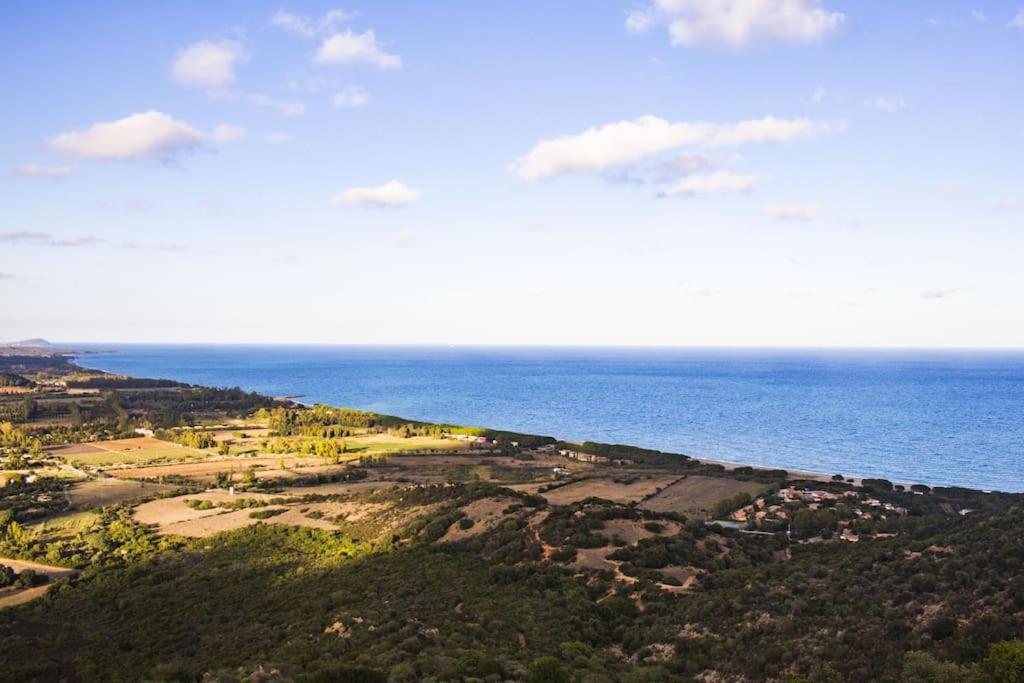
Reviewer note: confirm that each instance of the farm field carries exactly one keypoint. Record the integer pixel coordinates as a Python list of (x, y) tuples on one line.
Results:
[(9, 597), (108, 491), (136, 451), (623, 489), (695, 495)]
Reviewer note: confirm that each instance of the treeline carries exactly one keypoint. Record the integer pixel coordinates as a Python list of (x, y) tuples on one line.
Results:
[(328, 422), (121, 382), (9, 379)]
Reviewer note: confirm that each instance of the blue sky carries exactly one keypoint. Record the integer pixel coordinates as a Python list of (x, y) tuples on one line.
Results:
[(675, 172)]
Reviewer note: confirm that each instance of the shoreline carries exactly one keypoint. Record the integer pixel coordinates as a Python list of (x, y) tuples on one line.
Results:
[(801, 474)]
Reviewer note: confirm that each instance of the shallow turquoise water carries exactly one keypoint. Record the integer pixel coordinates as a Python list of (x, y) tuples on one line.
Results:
[(950, 417)]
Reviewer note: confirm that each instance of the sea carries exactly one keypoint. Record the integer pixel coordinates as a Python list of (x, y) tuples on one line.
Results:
[(953, 418)]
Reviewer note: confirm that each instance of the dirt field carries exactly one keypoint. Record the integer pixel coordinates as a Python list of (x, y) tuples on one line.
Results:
[(126, 452), (10, 597), (100, 492), (695, 495), (486, 514), (632, 530), (356, 519), (206, 471), (609, 489), (169, 511)]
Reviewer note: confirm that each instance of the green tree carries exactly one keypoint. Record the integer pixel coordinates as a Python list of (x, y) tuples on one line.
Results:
[(1004, 663), (548, 670)]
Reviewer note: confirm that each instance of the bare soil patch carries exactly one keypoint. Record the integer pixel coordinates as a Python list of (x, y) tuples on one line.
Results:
[(100, 492), (632, 530), (695, 495), (625, 490), (486, 514)]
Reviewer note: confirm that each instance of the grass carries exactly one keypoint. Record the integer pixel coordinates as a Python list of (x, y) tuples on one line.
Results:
[(64, 526), (383, 443), (134, 452)]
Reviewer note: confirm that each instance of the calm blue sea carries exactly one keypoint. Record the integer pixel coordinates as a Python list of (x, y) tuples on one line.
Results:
[(950, 417)]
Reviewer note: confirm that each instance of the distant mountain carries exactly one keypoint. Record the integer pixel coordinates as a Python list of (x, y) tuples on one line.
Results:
[(30, 344)]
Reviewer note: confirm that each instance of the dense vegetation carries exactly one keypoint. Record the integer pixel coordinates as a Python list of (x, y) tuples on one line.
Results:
[(932, 593)]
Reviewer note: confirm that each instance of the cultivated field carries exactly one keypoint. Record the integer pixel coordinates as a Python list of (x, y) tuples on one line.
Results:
[(623, 489), (100, 492), (137, 451), (695, 496)]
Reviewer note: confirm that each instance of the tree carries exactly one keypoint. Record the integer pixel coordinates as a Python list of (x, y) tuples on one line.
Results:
[(919, 667), (547, 670), (1004, 663)]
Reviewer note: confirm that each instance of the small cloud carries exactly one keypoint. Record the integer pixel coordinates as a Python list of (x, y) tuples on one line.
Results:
[(938, 293), (403, 237), (737, 23), (350, 97), (307, 27), (629, 142), (719, 181), (40, 171), (207, 64), (6, 276), (640, 20), (979, 16), (277, 138), (886, 104), (46, 239), (818, 96), (282, 107), (228, 133), (952, 189), (356, 48), (704, 292), (792, 212), (151, 134), (1018, 20), (390, 194)]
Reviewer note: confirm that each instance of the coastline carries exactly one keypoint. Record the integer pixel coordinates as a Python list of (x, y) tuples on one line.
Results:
[(728, 465)]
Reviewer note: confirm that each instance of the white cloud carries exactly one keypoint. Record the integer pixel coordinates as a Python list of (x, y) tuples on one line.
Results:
[(639, 20), (46, 239), (1010, 205), (627, 142), (284, 108), (792, 211), (738, 23), (226, 133), (938, 293), (150, 134), (818, 96), (719, 181), (207, 64), (1018, 20), (306, 27), (393, 193), (979, 16), (886, 104), (356, 48), (40, 171), (353, 96), (403, 237)]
